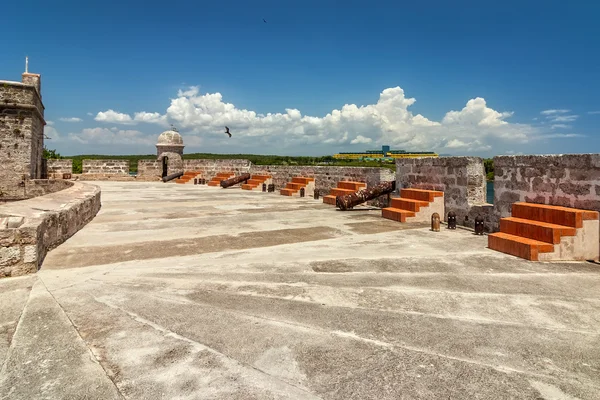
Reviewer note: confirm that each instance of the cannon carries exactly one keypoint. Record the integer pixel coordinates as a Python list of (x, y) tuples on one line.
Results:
[(353, 199), (235, 180), (172, 176)]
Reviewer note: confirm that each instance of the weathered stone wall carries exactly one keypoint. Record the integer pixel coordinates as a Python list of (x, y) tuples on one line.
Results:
[(327, 177), (30, 228), (21, 136), (210, 168), (56, 168), (462, 179), (149, 170), (570, 180), (105, 170), (42, 187)]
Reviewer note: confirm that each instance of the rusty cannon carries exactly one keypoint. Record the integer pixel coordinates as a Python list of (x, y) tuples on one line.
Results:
[(234, 180), (353, 199), (172, 176)]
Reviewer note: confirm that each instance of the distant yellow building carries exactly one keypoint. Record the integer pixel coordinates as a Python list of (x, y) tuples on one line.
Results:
[(384, 154)]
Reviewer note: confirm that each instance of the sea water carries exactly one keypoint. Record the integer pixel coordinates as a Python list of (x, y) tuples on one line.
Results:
[(490, 192)]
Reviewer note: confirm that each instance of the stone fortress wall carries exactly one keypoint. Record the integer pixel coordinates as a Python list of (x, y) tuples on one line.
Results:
[(57, 168), (462, 179), (149, 170), (30, 228), (21, 134), (562, 180), (326, 177), (210, 168), (93, 170)]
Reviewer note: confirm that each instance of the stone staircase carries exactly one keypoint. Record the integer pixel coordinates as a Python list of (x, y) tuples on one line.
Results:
[(256, 181), (539, 232), (216, 180), (415, 205), (293, 188), (343, 188), (188, 177)]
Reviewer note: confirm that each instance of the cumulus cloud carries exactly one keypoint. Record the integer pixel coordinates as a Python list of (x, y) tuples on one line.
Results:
[(114, 117), (111, 116), (50, 123), (560, 126), (152, 118), (111, 136), (553, 112), (361, 139), (474, 127), (71, 119)]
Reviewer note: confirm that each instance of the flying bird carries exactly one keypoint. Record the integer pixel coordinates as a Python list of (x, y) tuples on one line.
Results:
[(227, 131), (264, 21)]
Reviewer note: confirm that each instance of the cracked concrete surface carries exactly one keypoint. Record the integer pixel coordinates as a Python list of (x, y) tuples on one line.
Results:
[(191, 292)]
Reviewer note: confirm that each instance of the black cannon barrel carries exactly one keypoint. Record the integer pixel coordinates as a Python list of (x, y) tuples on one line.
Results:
[(353, 199), (172, 176), (235, 180)]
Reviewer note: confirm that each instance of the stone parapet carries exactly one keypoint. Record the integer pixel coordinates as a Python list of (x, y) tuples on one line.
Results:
[(462, 179), (149, 170), (57, 168), (210, 168), (30, 228), (105, 167), (327, 177), (570, 180)]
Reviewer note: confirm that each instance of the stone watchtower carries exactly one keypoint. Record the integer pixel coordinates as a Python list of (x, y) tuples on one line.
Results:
[(21, 134), (170, 151)]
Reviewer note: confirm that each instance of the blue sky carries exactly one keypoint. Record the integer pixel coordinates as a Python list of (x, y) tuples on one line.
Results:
[(319, 77)]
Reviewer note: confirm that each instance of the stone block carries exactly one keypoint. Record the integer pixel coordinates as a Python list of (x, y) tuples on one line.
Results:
[(575, 189), (558, 201), (8, 237), (538, 185), (587, 204), (30, 254), (15, 222), (9, 255)]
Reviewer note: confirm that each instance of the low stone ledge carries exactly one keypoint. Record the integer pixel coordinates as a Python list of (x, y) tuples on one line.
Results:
[(106, 177), (30, 228)]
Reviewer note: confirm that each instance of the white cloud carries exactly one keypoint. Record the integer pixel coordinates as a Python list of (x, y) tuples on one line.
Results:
[(152, 118), (72, 119), (114, 117), (111, 116), (560, 126), (564, 118), (361, 139), (111, 136), (389, 121), (593, 112), (552, 112), (90, 114), (476, 112), (50, 123), (563, 135)]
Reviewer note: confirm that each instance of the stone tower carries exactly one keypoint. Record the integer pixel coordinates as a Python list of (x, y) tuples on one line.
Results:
[(21, 134), (170, 151)]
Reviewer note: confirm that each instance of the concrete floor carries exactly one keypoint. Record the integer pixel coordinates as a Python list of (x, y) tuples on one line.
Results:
[(191, 292)]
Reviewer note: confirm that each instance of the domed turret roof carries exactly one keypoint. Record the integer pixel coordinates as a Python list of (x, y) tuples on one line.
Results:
[(170, 138)]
